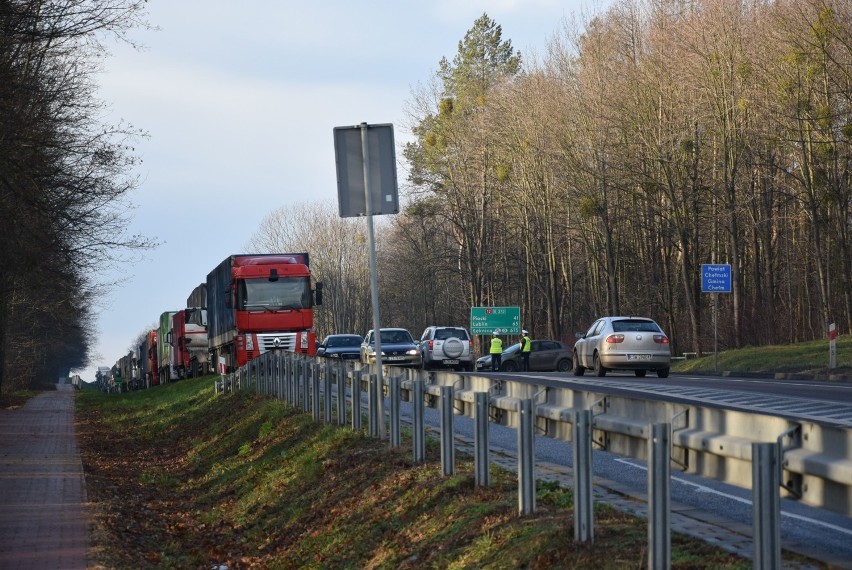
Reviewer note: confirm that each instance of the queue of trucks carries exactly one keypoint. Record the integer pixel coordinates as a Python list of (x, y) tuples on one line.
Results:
[(249, 304)]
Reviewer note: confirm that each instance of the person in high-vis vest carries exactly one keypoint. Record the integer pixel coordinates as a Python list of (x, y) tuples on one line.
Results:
[(496, 352), (526, 347)]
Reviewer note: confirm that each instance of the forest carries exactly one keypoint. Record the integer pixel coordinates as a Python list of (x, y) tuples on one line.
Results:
[(596, 178), (65, 177)]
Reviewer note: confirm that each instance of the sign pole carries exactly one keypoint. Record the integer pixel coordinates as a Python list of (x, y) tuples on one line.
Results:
[(832, 345), (374, 279), (715, 279), (715, 333)]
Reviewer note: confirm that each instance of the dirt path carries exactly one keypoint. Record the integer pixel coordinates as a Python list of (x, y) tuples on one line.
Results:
[(42, 488)]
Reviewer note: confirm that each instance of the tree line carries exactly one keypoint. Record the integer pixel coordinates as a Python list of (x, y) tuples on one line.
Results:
[(64, 181), (598, 177), (593, 178)]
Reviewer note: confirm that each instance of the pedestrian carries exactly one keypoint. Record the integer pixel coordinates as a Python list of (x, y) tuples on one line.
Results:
[(526, 347), (496, 352)]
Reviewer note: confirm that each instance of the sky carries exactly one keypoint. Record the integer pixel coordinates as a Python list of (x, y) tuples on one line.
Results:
[(239, 101)]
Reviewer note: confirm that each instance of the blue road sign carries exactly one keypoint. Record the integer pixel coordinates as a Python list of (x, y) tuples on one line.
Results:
[(715, 278)]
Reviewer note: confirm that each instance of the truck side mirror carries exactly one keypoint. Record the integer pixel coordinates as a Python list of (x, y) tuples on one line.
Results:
[(319, 293)]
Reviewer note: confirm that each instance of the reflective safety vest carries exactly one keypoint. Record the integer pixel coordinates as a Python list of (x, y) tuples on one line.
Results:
[(496, 345), (527, 344)]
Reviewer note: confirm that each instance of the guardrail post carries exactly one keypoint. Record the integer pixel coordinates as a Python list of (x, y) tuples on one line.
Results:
[(766, 504), (305, 385), (418, 421), (659, 496), (282, 379), (327, 392), (276, 375), (373, 405), (584, 512), (448, 451), (315, 391), (296, 363), (340, 376), (526, 457), (481, 454), (270, 377), (356, 399), (394, 410), (288, 378)]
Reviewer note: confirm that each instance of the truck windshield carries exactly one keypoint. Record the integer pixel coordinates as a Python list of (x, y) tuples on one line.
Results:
[(263, 294)]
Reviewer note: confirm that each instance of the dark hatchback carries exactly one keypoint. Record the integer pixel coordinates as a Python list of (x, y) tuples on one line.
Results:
[(545, 355), (343, 346)]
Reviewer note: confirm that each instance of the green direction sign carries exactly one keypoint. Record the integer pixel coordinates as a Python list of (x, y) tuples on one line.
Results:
[(486, 320)]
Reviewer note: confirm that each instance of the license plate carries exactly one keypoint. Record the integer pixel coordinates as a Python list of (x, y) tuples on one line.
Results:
[(456, 361), (638, 357), (394, 358)]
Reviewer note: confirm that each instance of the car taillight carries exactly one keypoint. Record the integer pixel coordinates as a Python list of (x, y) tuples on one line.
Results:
[(615, 338), (431, 344), (661, 339)]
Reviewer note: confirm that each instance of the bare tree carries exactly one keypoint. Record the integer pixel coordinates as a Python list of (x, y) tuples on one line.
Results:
[(64, 178)]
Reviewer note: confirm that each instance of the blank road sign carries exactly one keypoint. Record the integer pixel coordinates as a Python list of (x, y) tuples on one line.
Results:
[(349, 154)]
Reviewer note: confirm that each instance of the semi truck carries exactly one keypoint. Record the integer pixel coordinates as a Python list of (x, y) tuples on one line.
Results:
[(148, 372), (165, 355), (260, 302), (188, 339)]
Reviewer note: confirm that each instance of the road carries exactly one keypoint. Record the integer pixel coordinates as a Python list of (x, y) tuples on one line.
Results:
[(827, 403), (43, 504)]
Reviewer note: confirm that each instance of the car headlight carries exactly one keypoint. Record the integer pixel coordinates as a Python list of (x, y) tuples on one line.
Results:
[(411, 352)]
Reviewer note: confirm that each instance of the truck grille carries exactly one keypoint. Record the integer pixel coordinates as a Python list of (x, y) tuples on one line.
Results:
[(286, 341)]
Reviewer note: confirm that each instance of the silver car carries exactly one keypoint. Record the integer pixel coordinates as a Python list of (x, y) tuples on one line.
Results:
[(623, 343)]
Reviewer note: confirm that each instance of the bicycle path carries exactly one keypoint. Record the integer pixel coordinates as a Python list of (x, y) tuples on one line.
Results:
[(43, 517)]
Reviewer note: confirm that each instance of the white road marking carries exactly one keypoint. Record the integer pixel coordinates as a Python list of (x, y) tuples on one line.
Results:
[(809, 384), (705, 489)]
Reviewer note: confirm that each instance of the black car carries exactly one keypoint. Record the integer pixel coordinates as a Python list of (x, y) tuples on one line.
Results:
[(545, 355), (344, 346)]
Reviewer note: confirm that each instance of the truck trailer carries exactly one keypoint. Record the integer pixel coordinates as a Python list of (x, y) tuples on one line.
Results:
[(260, 302), (148, 357), (165, 354), (188, 339)]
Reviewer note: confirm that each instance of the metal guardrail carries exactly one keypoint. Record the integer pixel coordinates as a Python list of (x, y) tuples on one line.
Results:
[(801, 460)]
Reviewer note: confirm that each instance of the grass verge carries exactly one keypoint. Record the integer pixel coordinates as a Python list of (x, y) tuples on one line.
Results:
[(178, 477), (810, 357)]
